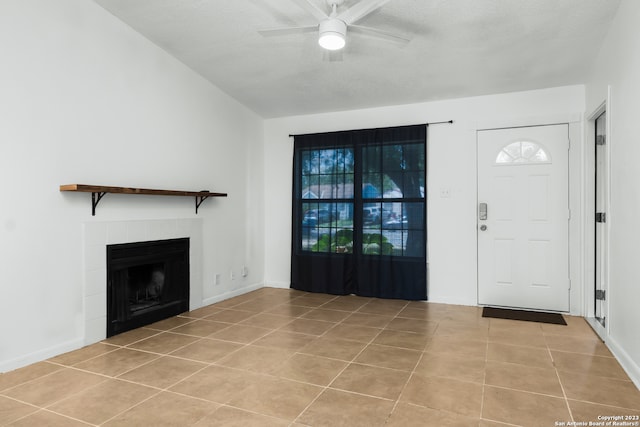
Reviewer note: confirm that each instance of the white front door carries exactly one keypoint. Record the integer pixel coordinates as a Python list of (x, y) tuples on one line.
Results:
[(523, 218)]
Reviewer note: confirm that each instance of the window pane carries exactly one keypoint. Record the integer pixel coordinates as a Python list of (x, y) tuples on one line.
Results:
[(523, 152), (329, 228)]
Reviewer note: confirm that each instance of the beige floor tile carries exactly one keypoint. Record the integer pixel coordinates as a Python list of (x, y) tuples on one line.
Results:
[(531, 328), (312, 300), (341, 409), (410, 340), (355, 333), (389, 357), (334, 348), (372, 381), (529, 356), (458, 346), (289, 310), (462, 330), (411, 415), (311, 369), (242, 334), (48, 419), (267, 320), (276, 397), (464, 368), (170, 323), (522, 408), (104, 401), (582, 344), (163, 372), (233, 417), (513, 337), (605, 391), (230, 316), (257, 359), (488, 423), (163, 343), (132, 336), (85, 353), (524, 378), (165, 409), (52, 388), (284, 340), (370, 320), (426, 314), (383, 308), (308, 326), (235, 301), (117, 362), (347, 303), (12, 410), (28, 373), (200, 328), (460, 397), (340, 360), (576, 326), (216, 383), (202, 312), (590, 412), (589, 365), (207, 350), (326, 315), (257, 305), (412, 325)]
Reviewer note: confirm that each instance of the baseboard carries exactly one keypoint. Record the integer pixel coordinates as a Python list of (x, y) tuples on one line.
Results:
[(628, 364), (40, 355), (234, 293), (278, 285)]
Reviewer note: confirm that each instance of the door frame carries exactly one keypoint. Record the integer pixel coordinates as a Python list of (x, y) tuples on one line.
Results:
[(576, 194), (589, 209)]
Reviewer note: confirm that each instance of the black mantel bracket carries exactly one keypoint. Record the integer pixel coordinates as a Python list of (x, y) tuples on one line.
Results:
[(98, 192)]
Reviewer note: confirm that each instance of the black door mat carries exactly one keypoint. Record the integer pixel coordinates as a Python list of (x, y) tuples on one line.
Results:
[(529, 316)]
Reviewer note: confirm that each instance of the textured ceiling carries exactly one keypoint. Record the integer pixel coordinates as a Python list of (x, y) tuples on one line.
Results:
[(458, 48)]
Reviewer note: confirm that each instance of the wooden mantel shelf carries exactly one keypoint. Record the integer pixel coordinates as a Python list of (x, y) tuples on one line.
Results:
[(98, 191)]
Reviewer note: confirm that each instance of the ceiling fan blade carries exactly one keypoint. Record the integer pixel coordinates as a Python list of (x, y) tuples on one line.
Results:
[(274, 32), (378, 34), (314, 10), (360, 10)]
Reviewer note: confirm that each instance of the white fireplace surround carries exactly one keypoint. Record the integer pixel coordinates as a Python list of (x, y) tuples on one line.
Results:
[(96, 237)]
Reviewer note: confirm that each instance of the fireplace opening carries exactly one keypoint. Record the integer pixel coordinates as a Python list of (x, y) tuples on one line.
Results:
[(146, 282)]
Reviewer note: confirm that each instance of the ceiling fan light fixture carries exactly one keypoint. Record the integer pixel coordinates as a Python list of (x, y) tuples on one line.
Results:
[(333, 34)]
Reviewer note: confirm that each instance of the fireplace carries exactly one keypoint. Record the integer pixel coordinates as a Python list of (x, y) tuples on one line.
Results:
[(146, 282)]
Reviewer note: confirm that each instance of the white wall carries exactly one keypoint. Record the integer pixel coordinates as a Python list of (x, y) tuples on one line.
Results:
[(451, 166), (85, 99), (618, 65)]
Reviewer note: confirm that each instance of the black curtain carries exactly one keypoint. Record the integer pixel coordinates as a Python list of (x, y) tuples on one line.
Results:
[(359, 213)]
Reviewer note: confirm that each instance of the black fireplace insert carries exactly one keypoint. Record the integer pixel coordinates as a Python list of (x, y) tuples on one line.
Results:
[(146, 282)]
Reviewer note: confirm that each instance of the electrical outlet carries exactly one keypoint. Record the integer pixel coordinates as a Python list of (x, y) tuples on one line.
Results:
[(232, 275), (244, 271), (217, 279)]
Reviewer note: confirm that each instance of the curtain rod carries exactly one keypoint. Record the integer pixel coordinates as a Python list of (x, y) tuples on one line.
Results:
[(426, 124)]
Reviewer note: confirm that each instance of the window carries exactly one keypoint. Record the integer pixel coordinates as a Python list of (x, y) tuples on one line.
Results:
[(523, 152), (359, 204)]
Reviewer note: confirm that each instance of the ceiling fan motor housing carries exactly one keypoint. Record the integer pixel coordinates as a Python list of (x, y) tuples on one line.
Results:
[(333, 34)]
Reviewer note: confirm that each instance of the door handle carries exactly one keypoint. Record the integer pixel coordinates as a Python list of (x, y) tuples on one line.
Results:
[(482, 212)]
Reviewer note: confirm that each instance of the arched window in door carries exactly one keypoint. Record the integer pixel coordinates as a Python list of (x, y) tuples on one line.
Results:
[(523, 152)]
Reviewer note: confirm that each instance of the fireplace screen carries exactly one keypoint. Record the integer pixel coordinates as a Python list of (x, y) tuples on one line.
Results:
[(147, 282)]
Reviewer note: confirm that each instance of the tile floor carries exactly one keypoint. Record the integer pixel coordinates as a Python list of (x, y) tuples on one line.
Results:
[(278, 357)]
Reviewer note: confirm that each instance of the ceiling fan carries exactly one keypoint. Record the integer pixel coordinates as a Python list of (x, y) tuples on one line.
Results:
[(332, 27)]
